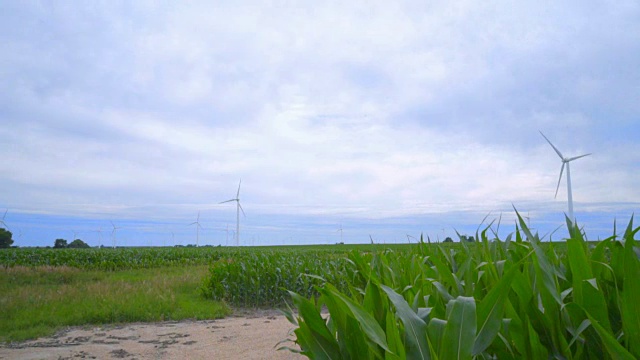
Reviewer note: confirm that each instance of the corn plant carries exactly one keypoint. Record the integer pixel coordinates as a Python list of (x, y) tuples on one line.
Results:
[(259, 279), (511, 299)]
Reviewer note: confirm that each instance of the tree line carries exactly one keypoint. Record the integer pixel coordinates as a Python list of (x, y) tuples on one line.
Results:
[(6, 241)]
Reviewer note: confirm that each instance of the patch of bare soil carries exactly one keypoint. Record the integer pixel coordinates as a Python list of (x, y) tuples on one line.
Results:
[(248, 335)]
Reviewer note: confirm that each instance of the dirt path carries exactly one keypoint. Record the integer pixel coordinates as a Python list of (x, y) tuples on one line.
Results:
[(249, 336)]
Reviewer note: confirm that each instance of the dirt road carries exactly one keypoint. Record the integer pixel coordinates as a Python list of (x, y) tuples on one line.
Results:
[(250, 336)]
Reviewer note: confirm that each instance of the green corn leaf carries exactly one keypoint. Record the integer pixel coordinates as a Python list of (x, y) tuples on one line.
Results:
[(537, 350), (314, 346), (348, 341), (460, 332), (416, 345), (394, 340), (584, 293), (491, 310), (631, 294), (581, 328), (613, 347), (367, 322), (436, 329), (313, 334), (445, 274)]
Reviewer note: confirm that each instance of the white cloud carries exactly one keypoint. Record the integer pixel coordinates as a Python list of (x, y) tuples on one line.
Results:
[(369, 109)]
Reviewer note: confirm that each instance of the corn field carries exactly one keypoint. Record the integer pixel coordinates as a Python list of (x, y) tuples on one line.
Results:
[(512, 299), (108, 259), (260, 279)]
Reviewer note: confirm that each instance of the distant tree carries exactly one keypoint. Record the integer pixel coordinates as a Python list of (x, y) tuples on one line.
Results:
[(60, 244), (467, 238), (78, 244), (5, 239), (448, 239)]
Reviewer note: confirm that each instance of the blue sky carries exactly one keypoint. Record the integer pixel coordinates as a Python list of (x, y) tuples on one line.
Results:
[(383, 119)]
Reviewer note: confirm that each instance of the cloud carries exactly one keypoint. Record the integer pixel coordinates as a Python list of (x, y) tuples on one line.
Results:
[(370, 110)]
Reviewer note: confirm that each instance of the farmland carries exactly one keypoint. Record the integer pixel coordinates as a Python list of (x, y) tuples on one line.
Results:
[(517, 297), (42, 290)]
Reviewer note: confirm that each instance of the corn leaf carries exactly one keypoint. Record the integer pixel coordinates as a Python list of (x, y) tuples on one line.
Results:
[(416, 345), (491, 310), (631, 294), (366, 321), (460, 332)]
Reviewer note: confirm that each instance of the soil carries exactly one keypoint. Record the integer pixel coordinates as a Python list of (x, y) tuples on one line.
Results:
[(246, 335)]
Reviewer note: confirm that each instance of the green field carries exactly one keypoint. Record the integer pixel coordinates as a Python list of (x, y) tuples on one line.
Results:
[(510, 298), (42, 290)]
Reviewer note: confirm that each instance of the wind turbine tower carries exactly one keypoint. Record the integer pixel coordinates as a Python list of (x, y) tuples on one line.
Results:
[(4, 224), (238, 209), (198, 227), (565, 162), (113, 233)]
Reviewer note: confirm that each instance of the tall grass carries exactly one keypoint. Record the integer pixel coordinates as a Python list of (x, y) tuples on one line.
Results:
[(36, 301), (495, 299)]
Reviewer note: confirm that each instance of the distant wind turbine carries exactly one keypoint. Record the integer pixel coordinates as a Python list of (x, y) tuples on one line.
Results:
[(565, 161), (99, 231), (198, 227), (2, 220), (238, 208), (113, 233), (340, 231)]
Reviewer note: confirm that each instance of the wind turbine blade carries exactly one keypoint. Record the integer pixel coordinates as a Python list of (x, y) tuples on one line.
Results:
[(238, 194), (578, 157), (5, 214), (198, 218), (554, 148), (559, 179), (240, 206), (227, 201)]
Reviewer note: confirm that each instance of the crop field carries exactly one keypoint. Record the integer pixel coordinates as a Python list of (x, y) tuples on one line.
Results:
[(42, 290), (511, 298)]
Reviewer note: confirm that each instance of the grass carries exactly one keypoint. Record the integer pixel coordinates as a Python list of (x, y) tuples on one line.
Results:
[(38, 301)]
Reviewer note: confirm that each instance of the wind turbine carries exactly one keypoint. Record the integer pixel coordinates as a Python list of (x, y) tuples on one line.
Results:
[(340, 230), (198, 227), (2, 220), (99, 231), (113, 233), (565, 161), (238, 208)]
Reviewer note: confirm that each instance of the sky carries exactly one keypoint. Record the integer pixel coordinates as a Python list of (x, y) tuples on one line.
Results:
[(123, 121)]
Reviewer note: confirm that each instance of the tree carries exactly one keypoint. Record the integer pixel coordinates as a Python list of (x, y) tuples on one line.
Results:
[(448, 239), (78, 244), (467, 238), (5, 239), (60, 244)]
